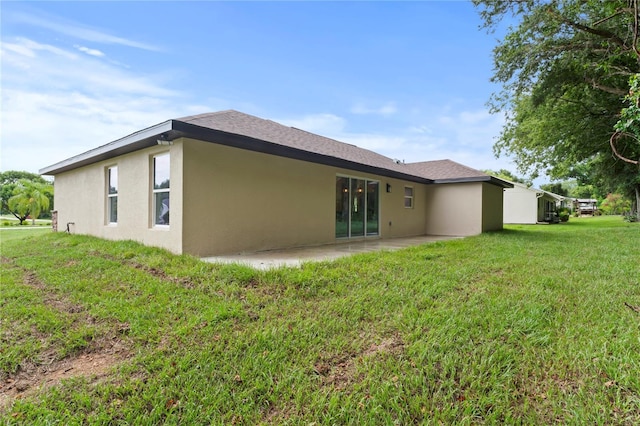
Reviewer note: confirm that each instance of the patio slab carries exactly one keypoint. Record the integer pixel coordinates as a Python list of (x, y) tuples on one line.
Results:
[(296, 256)]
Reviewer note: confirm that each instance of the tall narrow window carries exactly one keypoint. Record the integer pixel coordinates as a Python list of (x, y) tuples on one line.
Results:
[(408, 197), (161, 185), (112, 194)]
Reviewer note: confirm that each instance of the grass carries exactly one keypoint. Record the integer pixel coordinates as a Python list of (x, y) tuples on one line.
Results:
[(8, 234), (10, 220), (533, 325)]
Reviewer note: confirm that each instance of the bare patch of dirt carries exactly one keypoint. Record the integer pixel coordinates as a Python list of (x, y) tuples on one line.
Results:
[(48, 370), (32, 378), (340, 371)]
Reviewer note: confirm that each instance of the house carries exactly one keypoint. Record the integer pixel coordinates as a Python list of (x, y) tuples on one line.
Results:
[(585, 206), (227, 182), (526, 205)]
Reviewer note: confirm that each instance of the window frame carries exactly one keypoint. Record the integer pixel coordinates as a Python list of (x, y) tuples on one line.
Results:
[(365, 206), (410, 198), (156, 191), (111, 196)]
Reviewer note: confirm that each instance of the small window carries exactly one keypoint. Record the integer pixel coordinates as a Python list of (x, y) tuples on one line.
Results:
[(112, 194), (408, 197), (161, 188)]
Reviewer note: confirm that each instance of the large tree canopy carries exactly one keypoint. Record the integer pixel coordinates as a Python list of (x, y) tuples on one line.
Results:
[(29, 198), (565, 68), (13, 183)]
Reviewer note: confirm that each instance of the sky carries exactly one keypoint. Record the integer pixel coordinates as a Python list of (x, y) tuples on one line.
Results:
[(409, 80)]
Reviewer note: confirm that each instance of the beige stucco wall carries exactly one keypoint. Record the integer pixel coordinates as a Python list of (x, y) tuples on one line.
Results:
[(454, 209), (228, 200), (80, 197), (242, 201), (520, 205)]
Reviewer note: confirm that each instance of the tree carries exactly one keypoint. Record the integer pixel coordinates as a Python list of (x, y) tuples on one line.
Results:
[(507, 175), (615, 204), (556, 188), (8, 181), (565, 68), (29, 199)]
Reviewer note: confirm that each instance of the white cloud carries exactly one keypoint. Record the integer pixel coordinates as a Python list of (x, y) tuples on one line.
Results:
[(25, 47), (76, 30), (463, 136), (385, 110), (56, 103), (89, 51)]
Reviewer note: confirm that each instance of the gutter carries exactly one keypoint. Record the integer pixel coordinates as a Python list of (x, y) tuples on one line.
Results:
[(133, 142), (488, 179), (174, 129)]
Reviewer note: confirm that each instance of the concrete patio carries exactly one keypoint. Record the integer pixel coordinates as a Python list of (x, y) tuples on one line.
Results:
[(296, 256)]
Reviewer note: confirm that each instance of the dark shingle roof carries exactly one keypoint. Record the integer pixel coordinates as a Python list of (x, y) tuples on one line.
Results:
[(245, 131), (266, 130), (445, 170)]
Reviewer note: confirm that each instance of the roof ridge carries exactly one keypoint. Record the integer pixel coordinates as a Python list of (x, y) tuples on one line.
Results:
[(206, 114), (322, 136)]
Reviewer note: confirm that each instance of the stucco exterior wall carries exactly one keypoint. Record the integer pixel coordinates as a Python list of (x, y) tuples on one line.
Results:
[(229, 200), (240, 201), (454, 209), (492, 207), (396, 220), (520, 205), (81, 198)]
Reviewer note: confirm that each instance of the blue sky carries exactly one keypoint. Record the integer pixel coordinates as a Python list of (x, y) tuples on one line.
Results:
[(406, 79)]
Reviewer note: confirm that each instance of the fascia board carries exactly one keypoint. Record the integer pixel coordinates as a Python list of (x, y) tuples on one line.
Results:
[(130, 143)]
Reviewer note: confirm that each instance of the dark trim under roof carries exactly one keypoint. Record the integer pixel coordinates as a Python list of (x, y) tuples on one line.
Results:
[(175, 129), (489, 179), (245, 142), (235, 129)]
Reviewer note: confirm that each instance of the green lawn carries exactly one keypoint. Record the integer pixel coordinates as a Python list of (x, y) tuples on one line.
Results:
[(13, 233), (533, 325), (10, 220)]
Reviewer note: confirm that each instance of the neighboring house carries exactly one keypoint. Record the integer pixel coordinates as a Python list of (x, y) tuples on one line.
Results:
[(228, 182), (526, 205), (585, 206)]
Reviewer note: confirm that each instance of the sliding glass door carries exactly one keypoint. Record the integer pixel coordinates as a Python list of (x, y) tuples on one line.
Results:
[(357, 206)]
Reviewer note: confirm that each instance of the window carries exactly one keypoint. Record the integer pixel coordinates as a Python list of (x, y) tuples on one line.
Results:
[(112, 194), (408, 197), (161, 184)]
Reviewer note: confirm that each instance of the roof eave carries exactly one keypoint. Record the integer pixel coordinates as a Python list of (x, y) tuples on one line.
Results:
[(173, 129), (259, 145), (488, 179), (133, 142)]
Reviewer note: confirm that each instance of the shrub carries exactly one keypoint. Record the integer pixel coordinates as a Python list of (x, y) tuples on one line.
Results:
[(564, 214), (615, 204), (630, 217)]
